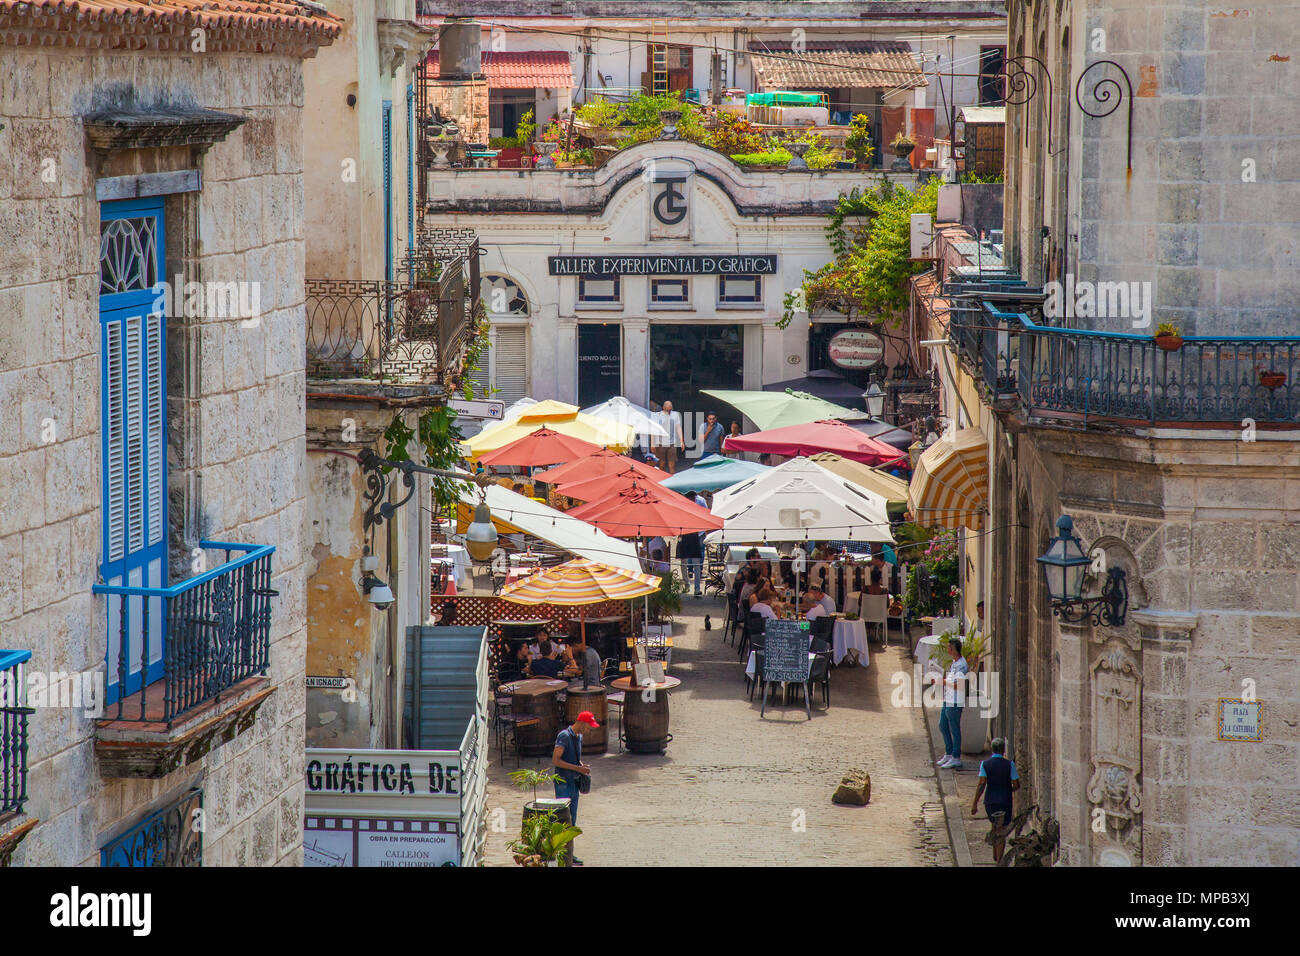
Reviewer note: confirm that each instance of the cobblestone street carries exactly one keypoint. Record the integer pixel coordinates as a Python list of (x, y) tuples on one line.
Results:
[(737, 789)]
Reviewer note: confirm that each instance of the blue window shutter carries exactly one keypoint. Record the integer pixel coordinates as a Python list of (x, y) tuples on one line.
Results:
[(388, 190), (133, 429)]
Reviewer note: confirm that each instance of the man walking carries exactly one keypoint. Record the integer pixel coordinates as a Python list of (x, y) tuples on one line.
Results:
[(690, 553), (950, 716), (999, 776), (671, 422), (567, 760), (711, 435)]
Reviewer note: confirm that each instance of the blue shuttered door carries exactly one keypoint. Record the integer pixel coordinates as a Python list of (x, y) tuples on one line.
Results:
[(133, 432)]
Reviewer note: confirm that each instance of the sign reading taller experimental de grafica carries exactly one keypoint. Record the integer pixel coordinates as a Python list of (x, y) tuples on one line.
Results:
[(724, 265)]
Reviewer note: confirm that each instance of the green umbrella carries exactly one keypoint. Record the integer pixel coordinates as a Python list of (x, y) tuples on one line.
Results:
[(778, 409)]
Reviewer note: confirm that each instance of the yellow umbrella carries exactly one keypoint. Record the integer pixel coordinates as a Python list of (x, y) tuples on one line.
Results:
[(873, 479), (578, 583), (559, 417)]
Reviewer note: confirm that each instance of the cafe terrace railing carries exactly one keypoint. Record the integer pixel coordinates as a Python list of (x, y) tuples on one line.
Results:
[(215, 633), (410, 329), (13, 733), (1124, 378)]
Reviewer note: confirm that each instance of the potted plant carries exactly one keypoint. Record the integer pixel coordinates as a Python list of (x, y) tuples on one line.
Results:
[(903, 145), (531, 780), (1168, 337), (543, 841), (514, 149), (667, 601), (859, 140), (1269, 378)]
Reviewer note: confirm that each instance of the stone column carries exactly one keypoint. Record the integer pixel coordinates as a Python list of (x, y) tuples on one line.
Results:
[(566, 360), (1166, 727), (636, 360), (1071, 721)]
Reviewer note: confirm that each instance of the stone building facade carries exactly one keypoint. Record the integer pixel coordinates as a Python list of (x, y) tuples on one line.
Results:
[(195, 117), (1179, 467)]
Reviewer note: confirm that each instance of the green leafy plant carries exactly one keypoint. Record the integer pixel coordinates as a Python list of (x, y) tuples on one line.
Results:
[(939, 559), (870, 234), (973, 647), (1167, 328), (734, 135), (600, 113), (502, 142), (901, 139), (859, 139), (771, 157), (525, 779), (576, 157), (975, 179), (542, 840), (667, 601), (524, 130)]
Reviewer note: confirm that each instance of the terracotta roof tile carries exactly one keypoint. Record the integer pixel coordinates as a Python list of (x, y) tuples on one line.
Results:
[(297, 16), (522, 70)]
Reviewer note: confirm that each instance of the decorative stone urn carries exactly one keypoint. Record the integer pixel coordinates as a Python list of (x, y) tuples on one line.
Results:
[(547, 158), (902, 164), (439, 149), (796, 156), (670, 119)]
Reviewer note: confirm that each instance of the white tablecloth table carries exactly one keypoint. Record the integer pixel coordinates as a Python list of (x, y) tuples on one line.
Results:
[(458, 558), (846, 634), (922, 653)]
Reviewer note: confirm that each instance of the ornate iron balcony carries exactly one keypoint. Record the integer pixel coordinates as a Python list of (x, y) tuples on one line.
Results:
[(170, 836), (1126, 379), (215, 633), (13, 733), (413, 329)]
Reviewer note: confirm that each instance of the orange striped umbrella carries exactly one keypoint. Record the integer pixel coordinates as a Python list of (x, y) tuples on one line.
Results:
[(579, 582), (950, 486)]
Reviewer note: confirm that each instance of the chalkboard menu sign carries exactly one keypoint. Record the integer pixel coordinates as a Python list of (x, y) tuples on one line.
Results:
[(785, 651)]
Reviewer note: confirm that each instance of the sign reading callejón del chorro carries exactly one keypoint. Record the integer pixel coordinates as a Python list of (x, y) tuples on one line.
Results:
[(856, 348), (594, 266), (382, 808)]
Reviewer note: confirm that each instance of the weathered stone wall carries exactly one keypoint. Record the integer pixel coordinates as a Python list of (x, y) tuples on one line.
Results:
[(235, 410), (1213, 561), (1214, 108)]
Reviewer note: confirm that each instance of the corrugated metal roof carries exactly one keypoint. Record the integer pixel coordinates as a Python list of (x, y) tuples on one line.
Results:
[(442, 690), (854, 64), (523, 69)]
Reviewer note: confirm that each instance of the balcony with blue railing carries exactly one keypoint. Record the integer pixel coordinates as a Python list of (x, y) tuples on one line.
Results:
[(1125, 379), (13, 752), (204, 646)]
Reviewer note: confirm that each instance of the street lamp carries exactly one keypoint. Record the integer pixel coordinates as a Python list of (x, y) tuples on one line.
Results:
[(1064, 565), (875, 400), (480, 536)]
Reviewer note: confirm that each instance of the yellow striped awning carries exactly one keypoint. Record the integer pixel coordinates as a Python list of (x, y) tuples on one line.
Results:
[(950, 484), (580, 582)]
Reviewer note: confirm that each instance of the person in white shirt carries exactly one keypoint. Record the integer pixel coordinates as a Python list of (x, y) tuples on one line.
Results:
[(815, 610), (763, 606), (954, 694), (671, 422)]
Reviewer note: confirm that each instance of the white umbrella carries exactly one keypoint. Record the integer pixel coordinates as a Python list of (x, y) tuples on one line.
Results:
[(799, 501), (620, 410)]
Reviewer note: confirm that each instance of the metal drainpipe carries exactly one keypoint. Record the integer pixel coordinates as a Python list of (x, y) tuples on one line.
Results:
[(390, 679)]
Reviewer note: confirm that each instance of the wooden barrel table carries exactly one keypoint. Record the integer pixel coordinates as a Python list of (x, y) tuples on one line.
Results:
[(645, 721), (536, 698), (594, 699)]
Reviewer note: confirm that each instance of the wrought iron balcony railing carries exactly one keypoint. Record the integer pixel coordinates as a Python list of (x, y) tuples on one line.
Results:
[(215, 633), (412, 329), (13, 733), (1124, 378), (170, 836)]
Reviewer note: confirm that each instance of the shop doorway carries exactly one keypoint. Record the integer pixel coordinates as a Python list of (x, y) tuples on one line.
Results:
[(687, 358)]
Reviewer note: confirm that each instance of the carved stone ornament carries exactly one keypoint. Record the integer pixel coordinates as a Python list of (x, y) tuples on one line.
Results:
[(1115, 786)]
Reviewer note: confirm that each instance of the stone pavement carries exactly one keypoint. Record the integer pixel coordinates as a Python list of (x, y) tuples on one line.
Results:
[(737, 789), (958, 788)]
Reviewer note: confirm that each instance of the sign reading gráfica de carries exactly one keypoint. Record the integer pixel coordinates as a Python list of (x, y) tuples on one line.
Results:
[(856, 348), (382, 808), (595, 266)]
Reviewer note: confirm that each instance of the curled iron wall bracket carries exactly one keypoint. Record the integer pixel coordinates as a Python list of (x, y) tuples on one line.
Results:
[(1107, 93)]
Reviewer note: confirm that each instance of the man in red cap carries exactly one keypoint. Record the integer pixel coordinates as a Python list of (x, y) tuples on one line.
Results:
[(567, 760)]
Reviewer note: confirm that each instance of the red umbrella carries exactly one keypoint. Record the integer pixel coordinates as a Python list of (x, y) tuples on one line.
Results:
[(542, 447), (832, 436), (602, 486), (638, 489), (602, 462), (642, 513)]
